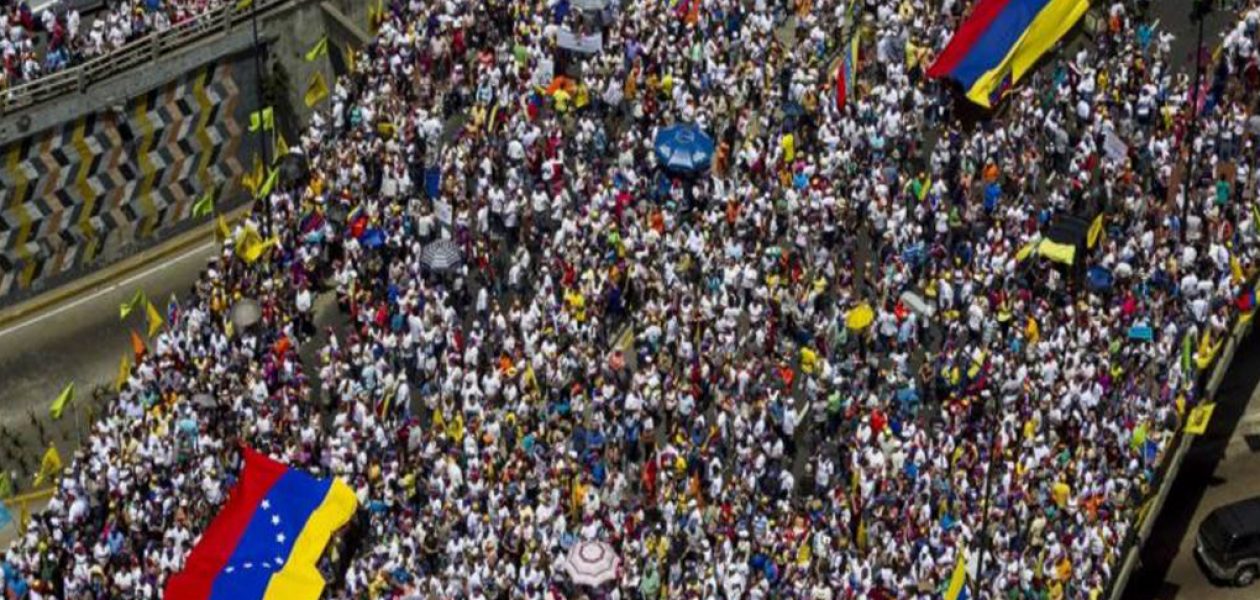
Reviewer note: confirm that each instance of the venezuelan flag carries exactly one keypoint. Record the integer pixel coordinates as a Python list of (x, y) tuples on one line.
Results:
[(846, 76), (1001, 41), (265, 541)]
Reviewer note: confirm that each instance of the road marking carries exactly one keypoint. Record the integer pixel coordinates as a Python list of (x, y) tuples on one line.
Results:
[(110, 288)]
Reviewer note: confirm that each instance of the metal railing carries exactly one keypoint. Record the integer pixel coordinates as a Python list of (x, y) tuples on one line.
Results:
[(140, 51)]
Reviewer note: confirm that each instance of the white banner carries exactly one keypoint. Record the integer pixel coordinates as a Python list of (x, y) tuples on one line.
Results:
[(585, 44), (443, 212), (545, 72)]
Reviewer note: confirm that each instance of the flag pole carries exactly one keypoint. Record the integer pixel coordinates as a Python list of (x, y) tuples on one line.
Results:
[(1199, 13)]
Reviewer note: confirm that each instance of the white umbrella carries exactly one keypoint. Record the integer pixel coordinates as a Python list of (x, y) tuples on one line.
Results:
[(591, 563), (442, 255), (245, 313)]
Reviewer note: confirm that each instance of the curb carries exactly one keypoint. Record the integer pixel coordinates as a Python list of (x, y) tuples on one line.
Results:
[(103, 276)]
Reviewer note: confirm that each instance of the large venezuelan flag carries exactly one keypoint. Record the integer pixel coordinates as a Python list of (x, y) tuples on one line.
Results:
[(1001, 41), (265, 541)]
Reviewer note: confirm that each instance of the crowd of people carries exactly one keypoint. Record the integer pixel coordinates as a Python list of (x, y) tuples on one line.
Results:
[(36, 41), (668, 362)]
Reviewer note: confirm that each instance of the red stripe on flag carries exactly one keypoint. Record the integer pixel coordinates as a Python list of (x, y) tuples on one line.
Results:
[(211, 554), (971, 29), (841, 91)]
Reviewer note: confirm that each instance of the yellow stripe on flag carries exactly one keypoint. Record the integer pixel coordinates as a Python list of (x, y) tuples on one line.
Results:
[(959, 578), (299, 579), (1047, 28)]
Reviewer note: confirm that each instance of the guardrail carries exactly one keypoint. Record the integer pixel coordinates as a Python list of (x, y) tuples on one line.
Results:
[(143, 50)]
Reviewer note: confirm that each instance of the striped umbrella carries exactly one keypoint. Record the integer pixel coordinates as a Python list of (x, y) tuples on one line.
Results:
[(591, 563), (442, 255)]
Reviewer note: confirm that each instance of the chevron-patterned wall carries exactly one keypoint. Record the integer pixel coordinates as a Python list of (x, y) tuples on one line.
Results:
[(132, 173)]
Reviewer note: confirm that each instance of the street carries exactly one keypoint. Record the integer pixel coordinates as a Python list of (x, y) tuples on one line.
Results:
[(82, 341)]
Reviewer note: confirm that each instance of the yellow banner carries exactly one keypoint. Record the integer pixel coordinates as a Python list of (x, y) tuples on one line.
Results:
[(1199, 418), (1064, 253)]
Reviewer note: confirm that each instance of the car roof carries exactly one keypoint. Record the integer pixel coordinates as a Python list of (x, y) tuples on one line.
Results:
[(1239, 517)]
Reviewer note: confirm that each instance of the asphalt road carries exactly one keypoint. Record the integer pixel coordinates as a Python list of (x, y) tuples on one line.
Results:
[(81, 341)]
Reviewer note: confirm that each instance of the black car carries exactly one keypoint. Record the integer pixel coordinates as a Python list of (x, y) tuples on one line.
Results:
[(1228, 543)]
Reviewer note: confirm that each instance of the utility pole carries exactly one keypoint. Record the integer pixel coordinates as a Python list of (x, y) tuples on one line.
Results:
[(991, 407), (1202, 8)]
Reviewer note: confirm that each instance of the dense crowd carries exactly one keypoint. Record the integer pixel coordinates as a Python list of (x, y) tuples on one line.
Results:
[(38, 41), (665, 362)]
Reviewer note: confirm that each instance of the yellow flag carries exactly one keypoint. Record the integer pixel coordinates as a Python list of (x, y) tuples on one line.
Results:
[(317, 90), (1095, 231), (1063, 253), (273, 175), (124, 369), (254, 179), (126, 307), (959, 578), (247, 239), (1027, 250), (531, 378), (282, 147), (1199, 418), (62, 400), (1207, 350), (155, 319), (49, 466), (244, 4), (224, 232), (319, 49), (250, 246), (264, 119), (204, 206)]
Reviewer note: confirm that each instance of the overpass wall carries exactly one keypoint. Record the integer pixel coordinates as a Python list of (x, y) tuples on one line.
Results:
[(90, 176)]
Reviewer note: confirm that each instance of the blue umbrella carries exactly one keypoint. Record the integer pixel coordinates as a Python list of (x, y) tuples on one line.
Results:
[(1099, 279), (684, 148)]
